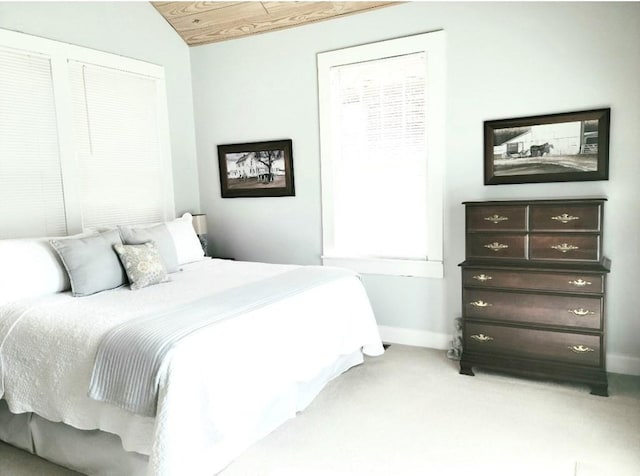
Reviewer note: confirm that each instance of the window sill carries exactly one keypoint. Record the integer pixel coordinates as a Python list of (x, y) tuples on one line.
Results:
[(390, 267)]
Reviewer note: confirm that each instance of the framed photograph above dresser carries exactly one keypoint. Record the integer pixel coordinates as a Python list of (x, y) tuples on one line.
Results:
[(565, 147), (533, 289)]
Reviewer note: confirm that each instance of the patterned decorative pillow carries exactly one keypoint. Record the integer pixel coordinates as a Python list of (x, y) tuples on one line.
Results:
[(143, 264)]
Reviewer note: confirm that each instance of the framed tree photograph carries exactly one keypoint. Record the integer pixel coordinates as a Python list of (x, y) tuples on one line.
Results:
[(256, 169), (566, 147)]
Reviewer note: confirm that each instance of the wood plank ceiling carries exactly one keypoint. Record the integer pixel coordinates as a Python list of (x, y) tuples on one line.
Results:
[(199, 23)]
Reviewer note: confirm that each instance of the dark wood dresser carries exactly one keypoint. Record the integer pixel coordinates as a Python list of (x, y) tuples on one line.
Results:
[(533, 289)]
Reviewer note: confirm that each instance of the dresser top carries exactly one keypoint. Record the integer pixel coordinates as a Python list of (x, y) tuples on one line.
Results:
[(554, 201)]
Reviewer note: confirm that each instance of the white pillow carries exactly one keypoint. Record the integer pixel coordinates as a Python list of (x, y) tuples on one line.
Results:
[(188, 247), (31, 267)]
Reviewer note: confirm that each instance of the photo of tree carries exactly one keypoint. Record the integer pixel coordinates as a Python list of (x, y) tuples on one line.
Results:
[(259, 169)]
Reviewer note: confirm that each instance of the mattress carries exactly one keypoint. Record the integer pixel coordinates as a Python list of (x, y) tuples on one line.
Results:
[(218, 383)]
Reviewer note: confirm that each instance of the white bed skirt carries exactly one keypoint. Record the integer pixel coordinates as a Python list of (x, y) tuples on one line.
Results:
[(95, 452)]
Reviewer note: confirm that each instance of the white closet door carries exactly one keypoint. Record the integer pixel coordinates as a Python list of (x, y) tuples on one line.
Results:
[(31, 193)]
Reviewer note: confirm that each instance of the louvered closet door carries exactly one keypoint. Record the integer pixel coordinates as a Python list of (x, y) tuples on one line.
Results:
[(116, 132), (31, 196)]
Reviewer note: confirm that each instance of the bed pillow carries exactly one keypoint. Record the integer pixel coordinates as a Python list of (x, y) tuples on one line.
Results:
[(143, 264), (187, 244), (30, 268), (91, 263), (160, 235)]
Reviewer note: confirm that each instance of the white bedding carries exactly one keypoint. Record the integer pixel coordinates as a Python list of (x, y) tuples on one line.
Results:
[(207, 414)]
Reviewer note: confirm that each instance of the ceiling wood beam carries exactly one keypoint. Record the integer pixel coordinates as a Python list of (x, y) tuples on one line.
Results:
[(171, 10)]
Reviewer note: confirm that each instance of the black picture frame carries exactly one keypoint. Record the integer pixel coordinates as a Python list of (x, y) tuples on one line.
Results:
[(256, 169), (564, 147)]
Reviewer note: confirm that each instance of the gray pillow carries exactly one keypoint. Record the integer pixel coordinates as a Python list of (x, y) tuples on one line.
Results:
[(160, 235), (91, 263), (143, 264)]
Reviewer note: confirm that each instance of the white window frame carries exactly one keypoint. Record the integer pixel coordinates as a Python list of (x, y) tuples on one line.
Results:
[(433, 44), (60, 54)]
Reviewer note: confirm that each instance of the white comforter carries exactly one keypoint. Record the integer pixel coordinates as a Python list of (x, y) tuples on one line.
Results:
[(218, 380)]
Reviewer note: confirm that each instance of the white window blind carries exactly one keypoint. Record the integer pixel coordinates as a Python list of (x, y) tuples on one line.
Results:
[(31, 197), (115, 121), (380, 198), (382, 112), (84, 139)]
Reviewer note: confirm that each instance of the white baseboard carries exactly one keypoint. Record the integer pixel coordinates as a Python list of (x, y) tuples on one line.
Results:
[(415, 337), (616, 363)]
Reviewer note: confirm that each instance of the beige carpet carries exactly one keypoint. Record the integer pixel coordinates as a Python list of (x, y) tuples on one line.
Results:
[(14, 462), (410, 413)]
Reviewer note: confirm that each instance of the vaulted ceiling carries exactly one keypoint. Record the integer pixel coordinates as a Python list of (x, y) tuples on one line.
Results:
[(199, 23)]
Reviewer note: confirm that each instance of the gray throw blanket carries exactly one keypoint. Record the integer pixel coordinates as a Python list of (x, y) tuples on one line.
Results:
[(126, 369)]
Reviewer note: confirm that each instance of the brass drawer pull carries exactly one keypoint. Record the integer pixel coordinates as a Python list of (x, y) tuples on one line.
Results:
[(482, 277), (481, 337), (580, 283), (580, 349), (480, 303), (564, 218), (564, 247), (581, 312), (495, 219), (495, 246)]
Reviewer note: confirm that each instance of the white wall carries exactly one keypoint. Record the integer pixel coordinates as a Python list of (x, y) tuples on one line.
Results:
[(504, 60), (135, 30)]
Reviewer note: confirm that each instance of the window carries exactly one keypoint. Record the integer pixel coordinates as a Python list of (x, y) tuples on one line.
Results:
[(115, 117), (83, 139), (382, 109)]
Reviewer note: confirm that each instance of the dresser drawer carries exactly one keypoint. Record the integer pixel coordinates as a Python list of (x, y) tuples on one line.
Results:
[(564, 247), (571, 217), (487, 245), (558, 346), (538, 309), (500, 218), (492, 278)]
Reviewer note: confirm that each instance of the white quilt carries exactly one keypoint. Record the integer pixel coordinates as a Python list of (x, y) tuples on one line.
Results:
[(207, 413)]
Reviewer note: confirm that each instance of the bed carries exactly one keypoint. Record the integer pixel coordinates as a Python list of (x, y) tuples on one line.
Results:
[(220, 388)]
